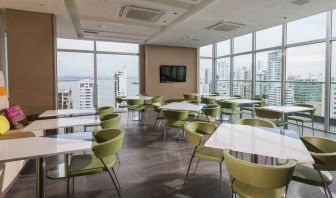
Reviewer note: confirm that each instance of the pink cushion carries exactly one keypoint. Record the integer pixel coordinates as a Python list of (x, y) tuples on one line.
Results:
[(16, 117)]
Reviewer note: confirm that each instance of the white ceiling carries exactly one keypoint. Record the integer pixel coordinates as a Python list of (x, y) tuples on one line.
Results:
[(183, 23)]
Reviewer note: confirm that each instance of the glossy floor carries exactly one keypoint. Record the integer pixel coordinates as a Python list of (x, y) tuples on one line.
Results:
[(149, 170)]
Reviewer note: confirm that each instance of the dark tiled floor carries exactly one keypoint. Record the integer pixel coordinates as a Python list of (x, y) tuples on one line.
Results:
[(149, 170)]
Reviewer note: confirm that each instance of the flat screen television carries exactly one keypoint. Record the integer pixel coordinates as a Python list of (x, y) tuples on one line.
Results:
[(172, 73)]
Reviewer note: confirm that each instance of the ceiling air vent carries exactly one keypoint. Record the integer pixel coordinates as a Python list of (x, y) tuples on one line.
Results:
[(91, 32), (140, 13), (225, 26), (300, 2)]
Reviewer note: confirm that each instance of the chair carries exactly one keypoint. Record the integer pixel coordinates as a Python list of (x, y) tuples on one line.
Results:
[(157, 99), (250, 108), (309, 116), (215, 94), (211, 112), (237, 96), (120, 102), (192, 115), (135, 105), (256, 122), (100, 111), (174, 119), (188, 96), (228, 108), (110, 121), (103, 158), (323, 151), (156, 108), (255, 180), (272, 116), (194, 133), (207, 100)]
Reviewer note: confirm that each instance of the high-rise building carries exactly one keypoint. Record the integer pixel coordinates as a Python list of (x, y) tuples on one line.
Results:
[(120, 83), (86, 94), (65, 99)]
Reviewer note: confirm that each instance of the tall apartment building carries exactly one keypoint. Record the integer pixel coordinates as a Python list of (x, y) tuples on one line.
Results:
[(120, 83), (86, 94), (64, 99)]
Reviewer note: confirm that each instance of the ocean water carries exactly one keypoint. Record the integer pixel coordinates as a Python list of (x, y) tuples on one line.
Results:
[(106, 95)]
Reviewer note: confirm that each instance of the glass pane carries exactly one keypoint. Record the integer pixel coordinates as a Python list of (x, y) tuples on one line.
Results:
[(223, 87), (334, 23), (242, 88), (223, 48), (118, 75), (268, 65), (223, 69), (117, 47), (271, 91), (306, 29), (243, 43), (333, 88), (75, 44), (75, 80), (306, 63), (206, 51), (242, 69), (205, 76), (270, 37)]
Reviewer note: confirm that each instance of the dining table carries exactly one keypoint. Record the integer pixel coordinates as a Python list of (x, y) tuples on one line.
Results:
[(241, 102), (67, 113), (270, 142), (146, 98), (184, 106), (41, 147)]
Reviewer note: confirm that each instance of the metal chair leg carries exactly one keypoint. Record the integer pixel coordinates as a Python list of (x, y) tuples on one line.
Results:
[(68, 187), (73, 186), (192, 157), (325, 186), (297, 124), (118, 158), (313, 128), (115, 175), (196, 166), (156, 118), (114, 183), (220, 179), (302, 127)]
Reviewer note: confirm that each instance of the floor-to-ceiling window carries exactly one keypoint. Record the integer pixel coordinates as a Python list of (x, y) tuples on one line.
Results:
[(205, 70), (93, 73), (223, 67)]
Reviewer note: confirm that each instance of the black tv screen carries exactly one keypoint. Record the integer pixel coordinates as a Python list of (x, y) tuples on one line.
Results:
[(172, 73)]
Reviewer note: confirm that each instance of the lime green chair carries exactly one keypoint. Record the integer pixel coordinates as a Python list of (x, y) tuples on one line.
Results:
[(256, 122), (110, 121), (237, 96), (309, 117), (103, 158), (120, 102), (323, 151), (228, 108), (255, 180), (100, 111), (207, 100), (189, 96), (192, 115), (273, 116), (135, 105), (211, 112), (215, 94), (251, 107), (156, 108), (174, 119), (157, 99), (194, 133)]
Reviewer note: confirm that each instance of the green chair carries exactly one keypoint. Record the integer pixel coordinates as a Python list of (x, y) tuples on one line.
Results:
[(194, 133), (110, 121), (255, 180), (120, 102), (157, 99), (273, 116), (192, 115), (237, 96), (228, 108), (100, 111), (135, 105), (256, 122), (174, 119), (323, 151), (215, 94), (251, 107), (103, 158), (207, 100), (189, 96), (156, 108), (309, 116), (211, 112)]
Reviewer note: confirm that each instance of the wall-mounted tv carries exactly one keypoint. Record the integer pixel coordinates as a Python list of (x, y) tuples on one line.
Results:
[(172, 73)]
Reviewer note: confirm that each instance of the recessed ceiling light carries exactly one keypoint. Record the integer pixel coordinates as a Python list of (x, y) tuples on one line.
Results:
[(300, 2), (165, 21), (175, 13)]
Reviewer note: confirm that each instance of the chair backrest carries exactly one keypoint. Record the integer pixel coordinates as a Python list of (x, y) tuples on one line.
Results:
[(157, 99), (104, 110), (194, 130), (120, 99), (109, 142), (211, 110), (110, 121), (237, 96), (188, 96), (311, 112), (257, 175), (191, 101), (256, 122), (215, 94), (268, 114), (261, 99), (323, 150), (227, 105), (207, 100), (174, 116), (135, 102), (156, 106)]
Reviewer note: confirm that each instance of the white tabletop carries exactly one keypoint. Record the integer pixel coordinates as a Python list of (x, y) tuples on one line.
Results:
[(243, 101), (61, 123), (183, 106), (25, 148), (138, 98), (260, 141), (67, 112), (223, 97), (287, 108)]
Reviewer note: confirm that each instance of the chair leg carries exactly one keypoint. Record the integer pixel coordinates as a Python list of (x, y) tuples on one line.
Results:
[(313, 128), (156, 118), (297, 124), (220, 179), (68, 187), (118, 158), (115, 175), (73, 186), (325, 186), (114, 183), (192, 157), (302, 127), (196, 166)]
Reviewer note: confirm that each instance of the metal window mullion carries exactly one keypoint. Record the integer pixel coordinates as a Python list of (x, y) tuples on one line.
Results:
[(214, 62), (95, 76), (231, 66), (253, 64), (284, 58), (327, 72)]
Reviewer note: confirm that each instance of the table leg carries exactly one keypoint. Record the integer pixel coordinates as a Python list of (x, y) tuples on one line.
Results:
[(40, 177), (241, 111), (286, 120)]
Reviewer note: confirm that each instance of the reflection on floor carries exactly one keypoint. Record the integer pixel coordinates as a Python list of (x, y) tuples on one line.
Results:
[(149, 170)]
